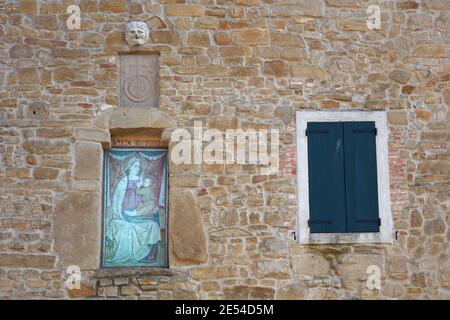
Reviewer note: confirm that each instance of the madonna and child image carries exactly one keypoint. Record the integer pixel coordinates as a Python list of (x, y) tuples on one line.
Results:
[(134, 221)]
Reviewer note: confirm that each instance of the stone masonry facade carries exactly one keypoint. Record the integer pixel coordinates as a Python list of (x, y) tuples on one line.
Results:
[(229, 64)]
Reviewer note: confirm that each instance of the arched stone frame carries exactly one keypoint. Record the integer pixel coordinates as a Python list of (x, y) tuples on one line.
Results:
[(78, 227)]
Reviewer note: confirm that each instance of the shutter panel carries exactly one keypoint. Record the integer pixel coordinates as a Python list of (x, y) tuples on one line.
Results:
[(326, 177), (361, 177)]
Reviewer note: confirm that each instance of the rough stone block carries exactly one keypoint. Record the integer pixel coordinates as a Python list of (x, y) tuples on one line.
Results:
[(97, 135), (27, 261), (310, 264), (187, 241), (398, 117), (78, 229), (308, 71), (88, 161), (185, 10), (300, 8)]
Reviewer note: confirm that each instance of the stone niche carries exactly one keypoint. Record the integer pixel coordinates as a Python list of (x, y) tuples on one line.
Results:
[(78, 231)]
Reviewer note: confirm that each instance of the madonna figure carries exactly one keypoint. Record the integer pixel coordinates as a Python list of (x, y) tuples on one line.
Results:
[(133, 233)]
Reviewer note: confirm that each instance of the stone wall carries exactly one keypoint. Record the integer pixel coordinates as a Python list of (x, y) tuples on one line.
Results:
[(231, 64)]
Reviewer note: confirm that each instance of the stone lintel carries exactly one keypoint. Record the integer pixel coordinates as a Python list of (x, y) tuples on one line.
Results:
[(133, 118)]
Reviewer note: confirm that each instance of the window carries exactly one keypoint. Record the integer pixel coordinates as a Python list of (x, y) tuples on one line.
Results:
[(343, 177)]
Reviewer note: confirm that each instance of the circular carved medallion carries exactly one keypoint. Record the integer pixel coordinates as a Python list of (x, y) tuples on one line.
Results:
[(138, 88)]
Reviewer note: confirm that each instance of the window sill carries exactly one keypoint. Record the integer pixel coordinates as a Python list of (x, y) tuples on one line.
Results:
[(133, 271), (349, 238)]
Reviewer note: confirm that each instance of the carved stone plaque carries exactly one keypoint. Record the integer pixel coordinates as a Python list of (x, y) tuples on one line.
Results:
[(147, 138), (139, 80)]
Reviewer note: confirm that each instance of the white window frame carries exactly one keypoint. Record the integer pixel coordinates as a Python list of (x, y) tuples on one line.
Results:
[(385, 234)]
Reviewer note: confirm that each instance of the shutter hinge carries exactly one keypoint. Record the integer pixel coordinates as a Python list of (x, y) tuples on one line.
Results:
[(315, 131), (369, 221), (374, 130), (319, 222)]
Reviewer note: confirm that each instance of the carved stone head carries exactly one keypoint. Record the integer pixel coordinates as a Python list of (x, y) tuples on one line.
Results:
[(137, 33)]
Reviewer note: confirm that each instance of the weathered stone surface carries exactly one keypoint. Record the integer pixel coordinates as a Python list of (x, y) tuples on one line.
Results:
[(272, 269), (354, 266), (28, 6), (27, 261), (401, 76), (62, 73), (45, 173), (434, 227), (432, 51), (125, 118), (187, 238), (393, 290), (310, 264), (301, 7), (436, 4), (198, 38), (118, 6), (344, 3), (446, 95), (308, 71), (251, 37), (37, 110), (408, 4), (398, 117), (78, 243), (276, 68), (95, 135), (185, 10), (242, 292), (402, 46), (129, 290), (85, 291), (88, 157), (230, 232), (20, 173), (21, 51), (353, 25), (28, 75), (293, 290), (445, 274), (397, 265), (47, 147), (46, 21), (108, 291), (70, 53), (274, 247)]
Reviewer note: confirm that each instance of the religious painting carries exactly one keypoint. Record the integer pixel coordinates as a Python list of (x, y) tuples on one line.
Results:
[(135, 208)]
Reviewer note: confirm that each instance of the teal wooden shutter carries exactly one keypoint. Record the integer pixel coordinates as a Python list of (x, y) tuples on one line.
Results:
[(326, 177), (361, 177)]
